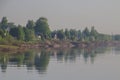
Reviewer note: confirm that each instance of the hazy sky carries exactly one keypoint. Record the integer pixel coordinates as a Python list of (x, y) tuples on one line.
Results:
[(77, 14)]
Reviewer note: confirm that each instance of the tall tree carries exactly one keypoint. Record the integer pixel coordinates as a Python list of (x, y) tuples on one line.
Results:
[(2, 33), (29, 34), (60, 34), (4, 23), (73, 34), (67, 34), (14, 32), (42, 27), (79, 35), (30, 24), (86, 32), (20, 33), (93, 34), (17, 32)]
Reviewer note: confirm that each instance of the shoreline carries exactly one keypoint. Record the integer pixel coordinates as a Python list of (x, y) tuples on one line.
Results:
[(57, 45)]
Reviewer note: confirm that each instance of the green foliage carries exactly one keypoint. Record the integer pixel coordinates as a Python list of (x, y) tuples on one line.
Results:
[(53, 34), (29, 34), (11, 25), (17, 32), (79, 35), (73, 34), (93, 34), (60, 34), (67, 34), (20, 33), (86, 33), (42, 28), (30, 24), (2, 33), (4, 23), (14, 32)]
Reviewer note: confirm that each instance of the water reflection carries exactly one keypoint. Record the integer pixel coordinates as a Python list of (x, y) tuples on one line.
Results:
[(39, 60)]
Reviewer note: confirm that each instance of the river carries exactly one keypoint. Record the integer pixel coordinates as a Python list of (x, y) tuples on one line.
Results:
[(102, 63)]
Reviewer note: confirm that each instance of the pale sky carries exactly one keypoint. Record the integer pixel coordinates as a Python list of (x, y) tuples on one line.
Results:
[(75, 14)]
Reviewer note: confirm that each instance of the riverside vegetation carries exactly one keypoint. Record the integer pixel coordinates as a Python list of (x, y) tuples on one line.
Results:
[(38, 34)]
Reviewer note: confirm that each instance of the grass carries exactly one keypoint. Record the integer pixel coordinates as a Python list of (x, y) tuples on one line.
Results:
[(8, 47)]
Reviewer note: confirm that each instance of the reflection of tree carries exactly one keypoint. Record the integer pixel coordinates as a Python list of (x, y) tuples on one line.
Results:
[(60, 55), (70, 55), (92, 53), (86, 55), (42, 61), (89, 53), (3, 61), (16, 59), (29, 59)]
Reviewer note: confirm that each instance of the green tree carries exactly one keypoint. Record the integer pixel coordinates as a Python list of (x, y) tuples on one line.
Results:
[(42, 27), (30, 24), (4, 23), (29, 34), (2, 33), (14, 32), (73, 34), (67, 34), (93, 34), (17, 32), (86, 34), (20, 33), (53, 33), (79, 35), (60, 34), (11, 25)]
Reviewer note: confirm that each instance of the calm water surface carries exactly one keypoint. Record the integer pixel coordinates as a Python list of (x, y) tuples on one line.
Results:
[(69, 64)]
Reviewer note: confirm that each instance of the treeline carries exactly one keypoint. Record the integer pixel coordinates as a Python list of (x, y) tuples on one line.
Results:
[(78, 35), (39, 30)]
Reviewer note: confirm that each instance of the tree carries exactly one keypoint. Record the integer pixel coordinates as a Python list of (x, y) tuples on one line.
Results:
[(93, 34), (4, 23), (60, 34), (30, 24), (86, 34), (14, 32), (53, 34), (20, 33), (17, 32), (2, 33), (42, 27), (29, 34), (73, 34), (67, 34), (79, 35)]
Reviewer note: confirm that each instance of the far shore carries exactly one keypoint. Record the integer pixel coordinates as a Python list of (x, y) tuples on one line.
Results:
[(56, 45)]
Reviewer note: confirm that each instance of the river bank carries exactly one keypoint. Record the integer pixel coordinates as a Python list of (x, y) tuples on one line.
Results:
[(55, 44), (69, 44)]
